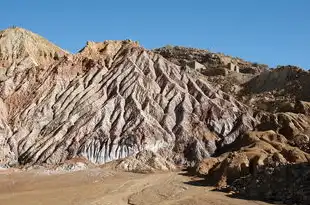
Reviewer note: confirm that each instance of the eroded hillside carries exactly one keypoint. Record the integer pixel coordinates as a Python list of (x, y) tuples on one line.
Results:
[(110, 101), (146, 110)]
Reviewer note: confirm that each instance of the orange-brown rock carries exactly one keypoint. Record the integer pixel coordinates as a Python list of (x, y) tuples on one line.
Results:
[(249, 152)]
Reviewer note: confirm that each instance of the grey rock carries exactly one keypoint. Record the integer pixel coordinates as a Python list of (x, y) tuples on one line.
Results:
[(111, 101)]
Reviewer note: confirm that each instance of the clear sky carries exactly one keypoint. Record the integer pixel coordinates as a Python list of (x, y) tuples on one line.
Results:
[(274, 32)]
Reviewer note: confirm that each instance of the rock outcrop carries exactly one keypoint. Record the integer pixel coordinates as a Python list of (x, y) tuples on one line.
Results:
[(302, 107), (250, 152)]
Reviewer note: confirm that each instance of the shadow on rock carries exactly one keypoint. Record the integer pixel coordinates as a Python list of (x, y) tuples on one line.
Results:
[(288, 184), (281, 184)]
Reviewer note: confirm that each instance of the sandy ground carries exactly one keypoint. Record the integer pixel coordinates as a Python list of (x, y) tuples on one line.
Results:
[(103, 187)]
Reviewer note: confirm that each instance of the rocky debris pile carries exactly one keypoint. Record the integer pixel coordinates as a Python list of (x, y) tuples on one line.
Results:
[(284, 80), (74, 164), (223, 72), (110, 101), (277, 90), (217, 62), (289, 184), (70, 165), (145, 162)]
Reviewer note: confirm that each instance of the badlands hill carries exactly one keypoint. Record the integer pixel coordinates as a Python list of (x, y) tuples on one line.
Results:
[(110, 101), (222, 116), (18, 45)]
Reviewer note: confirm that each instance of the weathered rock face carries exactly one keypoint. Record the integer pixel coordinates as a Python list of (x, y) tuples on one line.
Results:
[(110, 101)]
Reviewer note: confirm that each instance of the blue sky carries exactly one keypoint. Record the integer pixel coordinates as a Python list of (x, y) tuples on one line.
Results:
[(275, 32)]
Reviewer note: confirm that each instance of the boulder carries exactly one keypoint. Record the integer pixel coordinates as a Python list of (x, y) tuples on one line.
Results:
[(302, 107)]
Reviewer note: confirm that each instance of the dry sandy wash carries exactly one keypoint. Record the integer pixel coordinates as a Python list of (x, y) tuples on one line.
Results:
[(103, 187)]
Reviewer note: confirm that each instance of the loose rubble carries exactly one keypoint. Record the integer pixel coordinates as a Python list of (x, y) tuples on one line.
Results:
[(285, 183)]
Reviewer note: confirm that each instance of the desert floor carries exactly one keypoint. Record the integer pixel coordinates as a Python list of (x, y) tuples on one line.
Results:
[(104, 186)]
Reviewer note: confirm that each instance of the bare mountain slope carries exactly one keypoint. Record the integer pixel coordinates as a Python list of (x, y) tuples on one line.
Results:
[(18, 44), (113, 100)]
